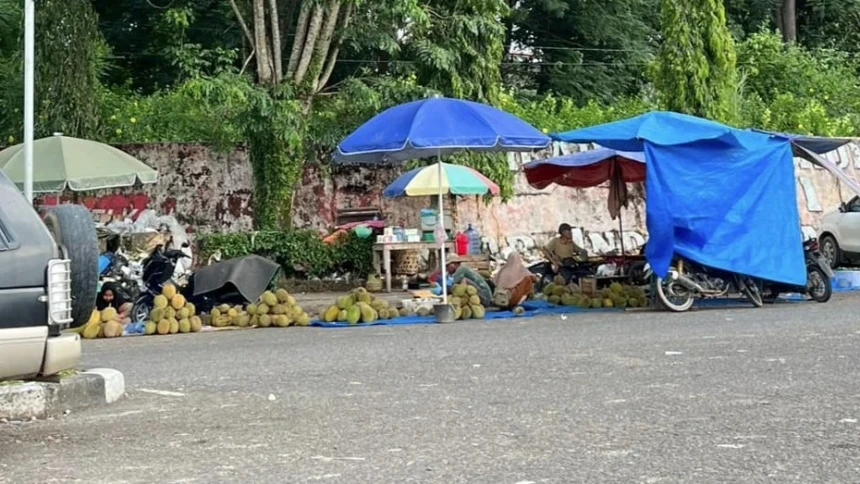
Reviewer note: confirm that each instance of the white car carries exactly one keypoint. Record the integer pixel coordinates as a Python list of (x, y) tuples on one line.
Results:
[(839, 235)]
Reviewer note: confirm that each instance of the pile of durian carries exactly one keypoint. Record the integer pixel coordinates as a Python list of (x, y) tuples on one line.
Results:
[(360, 307), (172, 314), (273, 309), (467, 304), (102, 324), (614, 296)]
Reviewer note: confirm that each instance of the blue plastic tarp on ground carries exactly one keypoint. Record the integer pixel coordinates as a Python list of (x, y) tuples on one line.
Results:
[(722, 197)]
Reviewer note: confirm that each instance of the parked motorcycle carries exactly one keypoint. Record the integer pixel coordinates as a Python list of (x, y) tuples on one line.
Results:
[(688, 281), (819, 275), (158, 270), (127, 276)]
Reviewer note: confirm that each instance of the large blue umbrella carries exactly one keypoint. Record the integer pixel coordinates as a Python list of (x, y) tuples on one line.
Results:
[(434, 127)]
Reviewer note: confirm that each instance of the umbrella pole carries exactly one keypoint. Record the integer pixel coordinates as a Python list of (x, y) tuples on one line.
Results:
[(621, 238), (442, 241)]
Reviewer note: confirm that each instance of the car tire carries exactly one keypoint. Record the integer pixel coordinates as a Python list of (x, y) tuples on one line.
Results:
[(830, 250), (74, 231)]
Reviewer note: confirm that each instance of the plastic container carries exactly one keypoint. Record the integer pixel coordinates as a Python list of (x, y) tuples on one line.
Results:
[(474, 240), (428, 219), (461, 242)]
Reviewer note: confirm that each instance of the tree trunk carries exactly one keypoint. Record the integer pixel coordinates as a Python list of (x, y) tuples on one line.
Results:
[(309, 46), (276, 41), (786, 20), (261, 42), (332, 58), (298, 40), (324, 44)]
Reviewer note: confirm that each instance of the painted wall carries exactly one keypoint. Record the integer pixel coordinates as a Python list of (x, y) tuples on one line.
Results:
[(209, 190)]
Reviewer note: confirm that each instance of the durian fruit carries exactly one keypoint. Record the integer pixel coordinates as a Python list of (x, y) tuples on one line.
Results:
[(174, 326), (353, 315), (224, 308), (378, 304), (404, 312), (559, 291), (368, 315), (458, 313), (569, 300), (478, 311), (364, 297), (548, 289), (251, 309), (596, 302), (192, 309), (281, 321), (558, 280), (108, 314), (243, 320), (282, 295), (149, 327), (633, 302), (459, 290), (279, 309), (232, 313), (344, 302), (184, 325), (584, 303), (156, 314), (330, 314), (265, 321), (163, 327), (91, 331), (456, 301), (303, 320), (177, 302), (169, 290), (341, 316), (196, 324), (519, 311), (554, 300), (269, 298), (291, 300), (95, 317), (215, 313), (620, 303), (471, 290), (473, 300), (616, 288), (169, 313), (182, 314), (607, 303), (467, 312), (101, 330), (160, 301)]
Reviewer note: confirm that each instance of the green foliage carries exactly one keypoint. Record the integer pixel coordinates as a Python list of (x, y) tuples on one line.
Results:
[(696, 71), (589, 50), (458, 49), (70, 52), (299, 252)]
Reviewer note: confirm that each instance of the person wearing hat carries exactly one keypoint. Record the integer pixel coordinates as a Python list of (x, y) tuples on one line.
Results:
[(563, 254)]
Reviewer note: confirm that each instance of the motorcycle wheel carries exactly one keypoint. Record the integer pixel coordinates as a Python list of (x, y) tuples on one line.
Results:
[(674, 296), (818, 285), (141, 309), (751, 291)]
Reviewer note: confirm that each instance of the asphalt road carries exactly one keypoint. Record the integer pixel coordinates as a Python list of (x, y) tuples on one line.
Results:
[(715, 396)]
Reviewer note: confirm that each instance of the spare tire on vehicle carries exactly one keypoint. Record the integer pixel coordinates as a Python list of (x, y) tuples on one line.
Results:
[(74, 231)]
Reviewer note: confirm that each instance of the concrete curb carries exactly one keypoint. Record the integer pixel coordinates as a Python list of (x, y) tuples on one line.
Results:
[(91, 388)]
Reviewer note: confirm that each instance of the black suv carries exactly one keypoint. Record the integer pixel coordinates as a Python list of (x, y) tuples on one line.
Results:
[(48, 280)]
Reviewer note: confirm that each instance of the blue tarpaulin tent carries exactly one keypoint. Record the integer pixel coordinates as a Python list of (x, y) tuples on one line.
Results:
[(722, 197)]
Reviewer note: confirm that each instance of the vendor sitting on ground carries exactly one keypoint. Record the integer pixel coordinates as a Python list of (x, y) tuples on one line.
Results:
[(513, 283), (563, 254), (110, 296), (459, 273)]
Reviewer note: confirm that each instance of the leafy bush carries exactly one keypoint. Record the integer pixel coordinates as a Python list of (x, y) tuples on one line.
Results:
[(299, 252)]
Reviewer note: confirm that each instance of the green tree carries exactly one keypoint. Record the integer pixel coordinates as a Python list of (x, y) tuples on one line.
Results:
[(586, 49), (696, 65)]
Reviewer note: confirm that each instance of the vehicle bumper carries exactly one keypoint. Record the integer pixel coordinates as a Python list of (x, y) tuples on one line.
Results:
[(62, 352), (22, 351)]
